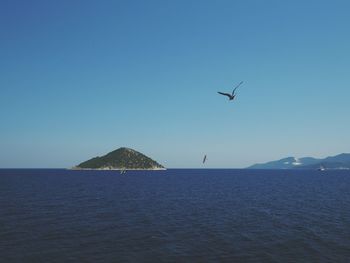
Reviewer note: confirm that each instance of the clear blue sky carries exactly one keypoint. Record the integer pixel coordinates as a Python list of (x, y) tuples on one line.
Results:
[(82, 78)]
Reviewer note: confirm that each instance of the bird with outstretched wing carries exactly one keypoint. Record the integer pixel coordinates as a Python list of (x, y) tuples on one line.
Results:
[(231, 96)]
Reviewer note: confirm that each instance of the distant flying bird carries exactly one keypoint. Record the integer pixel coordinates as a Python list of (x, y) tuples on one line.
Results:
[(231, 96), (205, 158)]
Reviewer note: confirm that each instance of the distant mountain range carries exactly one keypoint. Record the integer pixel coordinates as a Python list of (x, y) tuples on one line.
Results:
[(341, 161), (121, 159)]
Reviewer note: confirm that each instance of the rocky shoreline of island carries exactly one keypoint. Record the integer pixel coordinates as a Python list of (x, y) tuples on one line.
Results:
[(118, 169)]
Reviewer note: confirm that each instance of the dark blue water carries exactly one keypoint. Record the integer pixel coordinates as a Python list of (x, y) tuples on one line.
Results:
[(174, 216)]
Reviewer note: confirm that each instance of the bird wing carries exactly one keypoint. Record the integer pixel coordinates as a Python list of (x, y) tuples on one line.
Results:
[(225, 94), (233, 92)]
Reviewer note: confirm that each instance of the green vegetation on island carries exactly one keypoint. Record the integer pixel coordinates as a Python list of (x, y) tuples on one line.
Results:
[(121, 159)]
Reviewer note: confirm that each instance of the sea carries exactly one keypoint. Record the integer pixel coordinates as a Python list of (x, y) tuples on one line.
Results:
[(177, 215)]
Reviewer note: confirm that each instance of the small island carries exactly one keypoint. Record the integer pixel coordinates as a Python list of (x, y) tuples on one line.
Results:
[(120, 159)]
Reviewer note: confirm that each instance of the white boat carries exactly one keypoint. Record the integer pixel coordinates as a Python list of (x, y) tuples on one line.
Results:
[(321, 168)]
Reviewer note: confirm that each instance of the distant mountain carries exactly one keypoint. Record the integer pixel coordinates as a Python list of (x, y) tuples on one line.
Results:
[(120, 159), (341, 161)]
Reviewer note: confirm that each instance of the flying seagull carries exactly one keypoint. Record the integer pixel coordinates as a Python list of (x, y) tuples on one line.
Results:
[(231, 96), (205, 158)]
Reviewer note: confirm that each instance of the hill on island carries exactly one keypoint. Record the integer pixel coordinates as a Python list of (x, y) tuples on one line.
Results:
[(122, 158), (341, 161)]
